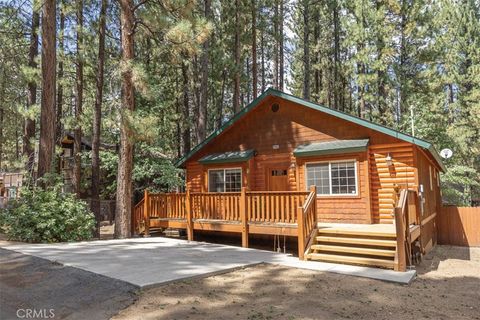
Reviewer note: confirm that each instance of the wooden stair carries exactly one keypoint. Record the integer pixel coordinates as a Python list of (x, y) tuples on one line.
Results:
[(371, 248)]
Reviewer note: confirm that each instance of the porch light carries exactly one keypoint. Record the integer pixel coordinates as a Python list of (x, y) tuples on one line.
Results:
[(388, 159)]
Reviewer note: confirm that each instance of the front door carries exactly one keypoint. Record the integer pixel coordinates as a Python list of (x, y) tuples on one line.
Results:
[(278, 179)]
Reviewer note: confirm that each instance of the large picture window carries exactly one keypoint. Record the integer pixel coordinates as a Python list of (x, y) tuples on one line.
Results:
[(224, 180), (333, 178)]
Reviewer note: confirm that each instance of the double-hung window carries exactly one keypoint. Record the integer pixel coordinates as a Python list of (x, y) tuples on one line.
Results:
[(224, 180), (333, 178)]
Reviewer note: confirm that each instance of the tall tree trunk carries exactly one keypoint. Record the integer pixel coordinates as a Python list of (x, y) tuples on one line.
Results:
[(238, 66), (275, 45), (47, 113), (249, 88), (262, 53), (186, 110), (381, 83), (336, 56), (254, 50), (306, 50), (17, 143), (202, 110), (280, 45), (61, 46), (29, 127), (220, 101), (2, 113), (402, 104), (178, 108), (316, 56), (77, 146), (125, 164), (97, 117)]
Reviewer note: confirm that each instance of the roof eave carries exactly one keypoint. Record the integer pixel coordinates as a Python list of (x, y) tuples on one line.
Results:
[(328, 152), (270, 91)]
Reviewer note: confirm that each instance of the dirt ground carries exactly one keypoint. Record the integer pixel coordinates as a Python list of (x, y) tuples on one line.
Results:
[(31, 283), (447, 287)]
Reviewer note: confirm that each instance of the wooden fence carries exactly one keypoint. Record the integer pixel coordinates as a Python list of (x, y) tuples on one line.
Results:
[(459, 226)]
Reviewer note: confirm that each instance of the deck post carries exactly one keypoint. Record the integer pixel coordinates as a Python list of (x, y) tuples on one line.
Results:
[(189, 214), (146, 214), (400, 255), (244, 216), (301, 234), (313, 188)]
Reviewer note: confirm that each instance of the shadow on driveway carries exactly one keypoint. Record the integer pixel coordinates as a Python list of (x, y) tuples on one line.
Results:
[(28, 282)]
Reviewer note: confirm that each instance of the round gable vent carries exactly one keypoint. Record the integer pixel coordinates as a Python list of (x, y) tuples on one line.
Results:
[(275, 107)]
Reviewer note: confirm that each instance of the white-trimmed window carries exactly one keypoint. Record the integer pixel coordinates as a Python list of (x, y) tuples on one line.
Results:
[(333, 178), (225, 180)]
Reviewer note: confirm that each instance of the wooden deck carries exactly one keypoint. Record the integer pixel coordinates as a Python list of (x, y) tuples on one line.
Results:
[(289, 214)]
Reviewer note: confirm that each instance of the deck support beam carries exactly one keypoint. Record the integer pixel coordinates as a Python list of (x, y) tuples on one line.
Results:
[(189, 214), (244, 217), (146, 214)]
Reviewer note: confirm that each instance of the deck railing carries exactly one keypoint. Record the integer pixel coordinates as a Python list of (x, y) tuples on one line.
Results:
[(167, 205), (274, 207), (284, 209), (307, 222), (216, 206), (406, 213)]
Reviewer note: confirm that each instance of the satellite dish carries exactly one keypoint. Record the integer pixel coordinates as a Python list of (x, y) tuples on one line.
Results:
[(446, 153)]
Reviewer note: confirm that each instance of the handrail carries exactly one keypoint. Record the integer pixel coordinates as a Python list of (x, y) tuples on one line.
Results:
[(403, 218), (137, 216), (311, 197), (307, 222)]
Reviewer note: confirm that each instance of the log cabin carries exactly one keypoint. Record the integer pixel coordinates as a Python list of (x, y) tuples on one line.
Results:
[(350, 190)]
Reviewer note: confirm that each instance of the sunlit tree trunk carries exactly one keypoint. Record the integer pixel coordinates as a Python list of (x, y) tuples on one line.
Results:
[(61, 48), (47, 112), (125, 164)]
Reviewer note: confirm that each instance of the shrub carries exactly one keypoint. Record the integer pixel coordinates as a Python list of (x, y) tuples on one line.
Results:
[(47, 216)]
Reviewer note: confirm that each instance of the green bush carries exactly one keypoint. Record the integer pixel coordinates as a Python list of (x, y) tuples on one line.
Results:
[(47, 216)]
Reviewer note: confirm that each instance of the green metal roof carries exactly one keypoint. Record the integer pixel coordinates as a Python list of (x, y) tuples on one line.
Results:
[(365, 123), (331, 147), (226, 157)]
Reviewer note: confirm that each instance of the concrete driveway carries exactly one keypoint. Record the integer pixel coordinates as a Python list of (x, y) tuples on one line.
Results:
[(151, 261)]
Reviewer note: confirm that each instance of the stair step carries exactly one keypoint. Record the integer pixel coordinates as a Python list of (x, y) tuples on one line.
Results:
[(354, 250), (372, 242), (353, 232), (351, 260)]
